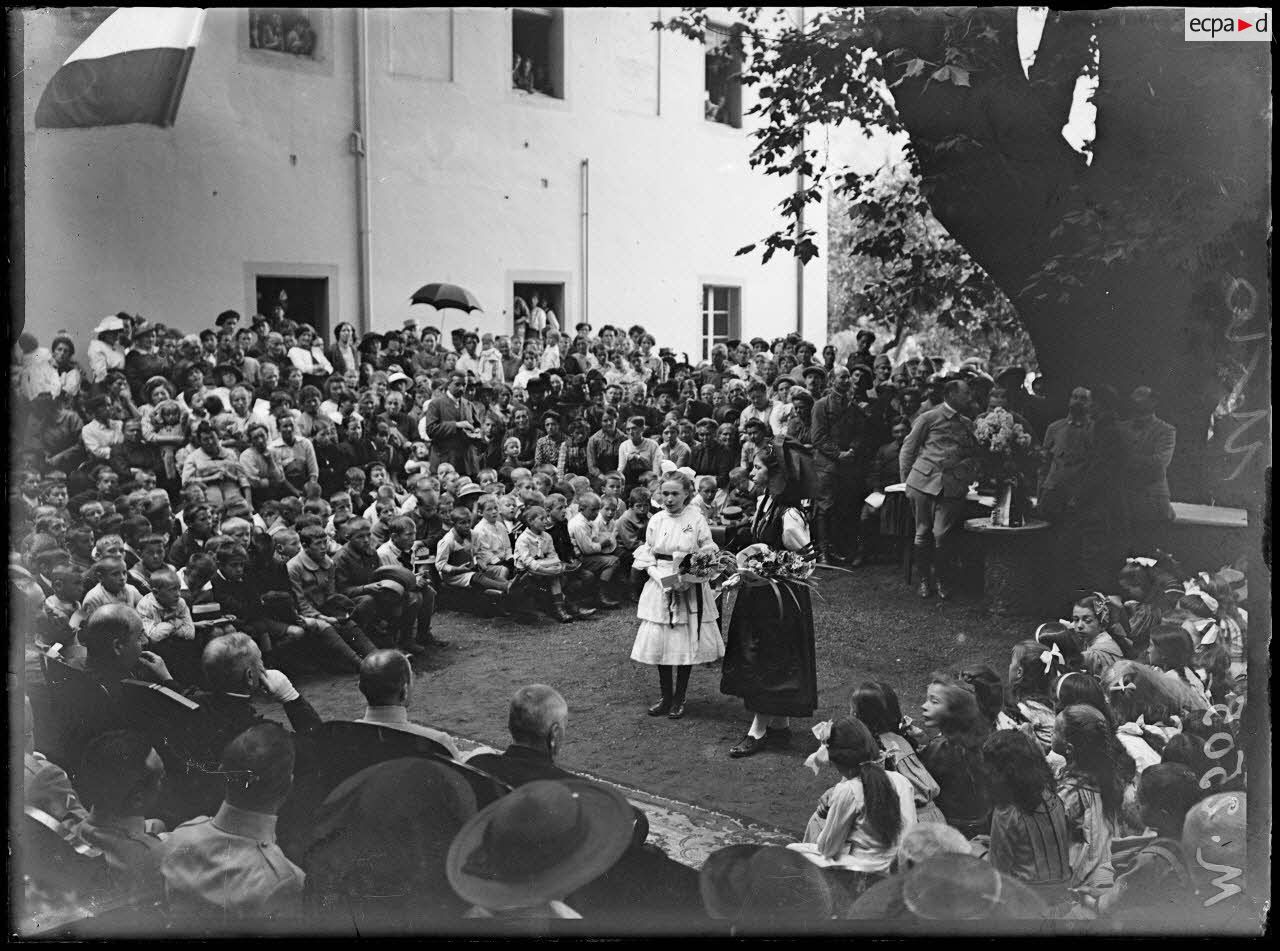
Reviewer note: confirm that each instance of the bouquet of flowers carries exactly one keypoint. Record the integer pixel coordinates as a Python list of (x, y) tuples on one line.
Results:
[(759, 565), (706, 566), (1006, 445)]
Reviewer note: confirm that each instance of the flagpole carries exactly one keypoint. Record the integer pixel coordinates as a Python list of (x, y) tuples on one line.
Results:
[(171, 111)]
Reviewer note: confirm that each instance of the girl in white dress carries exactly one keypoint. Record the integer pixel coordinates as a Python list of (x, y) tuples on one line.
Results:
[(678, 624)]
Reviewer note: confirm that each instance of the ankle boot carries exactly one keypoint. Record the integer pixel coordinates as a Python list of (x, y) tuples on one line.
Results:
[(558, 610), (924, 564), (866, 539)]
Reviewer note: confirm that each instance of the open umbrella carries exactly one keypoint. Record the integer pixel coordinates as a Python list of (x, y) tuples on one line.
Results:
[(441, 296)]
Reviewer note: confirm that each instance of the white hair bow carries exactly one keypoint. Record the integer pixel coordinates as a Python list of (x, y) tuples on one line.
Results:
[(1144, 562), (1125, 688), (1048, 656), (1206, 630), (822, 731), (1192, 588)]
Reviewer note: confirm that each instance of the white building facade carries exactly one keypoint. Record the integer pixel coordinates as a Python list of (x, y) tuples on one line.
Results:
[(610, 191)]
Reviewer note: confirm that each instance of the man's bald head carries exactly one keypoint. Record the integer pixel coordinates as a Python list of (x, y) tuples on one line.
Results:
[(259, 764), (536, 710), (386, 678)]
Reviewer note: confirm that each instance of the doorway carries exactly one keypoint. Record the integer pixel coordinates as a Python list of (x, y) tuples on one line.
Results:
[(305, 299), (551, 295)]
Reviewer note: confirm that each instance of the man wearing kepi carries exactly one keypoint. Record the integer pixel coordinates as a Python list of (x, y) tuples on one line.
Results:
[(937, 462)]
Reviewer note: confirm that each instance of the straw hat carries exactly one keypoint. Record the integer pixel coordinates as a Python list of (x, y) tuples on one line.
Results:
[(109, 323)]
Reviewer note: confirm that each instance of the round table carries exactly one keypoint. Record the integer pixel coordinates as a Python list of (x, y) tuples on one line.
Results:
[(1015, 566)]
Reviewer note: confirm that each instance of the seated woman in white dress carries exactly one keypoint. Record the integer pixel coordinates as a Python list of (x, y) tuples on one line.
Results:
[(678, 620)]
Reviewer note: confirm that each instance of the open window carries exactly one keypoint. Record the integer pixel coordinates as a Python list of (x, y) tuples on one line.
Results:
[(537, 51), (304, 299), (723, 61), (550, 297)]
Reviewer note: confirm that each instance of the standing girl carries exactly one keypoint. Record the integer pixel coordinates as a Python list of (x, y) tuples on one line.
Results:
[(677, 619), (769, 655)]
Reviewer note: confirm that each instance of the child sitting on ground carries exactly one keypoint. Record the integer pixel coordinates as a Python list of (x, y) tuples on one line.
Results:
[(1158, 881), (594, 548), (456, 560), (1034, 669), (489, 538), (631, 528), (1092, 791), (1091, 618), (53, 625), (1172, 650), (166, 620), (861, 819), (954, 758), (536, 558), (1029, 837), (876, 705), (1143, 581)]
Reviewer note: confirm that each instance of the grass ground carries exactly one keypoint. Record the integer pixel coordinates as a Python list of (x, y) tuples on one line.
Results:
[(869, 626)]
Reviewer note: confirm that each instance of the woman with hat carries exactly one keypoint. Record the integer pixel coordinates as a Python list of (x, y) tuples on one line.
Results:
[(105, 351), (143, 360), (521, 856), (769, 649)]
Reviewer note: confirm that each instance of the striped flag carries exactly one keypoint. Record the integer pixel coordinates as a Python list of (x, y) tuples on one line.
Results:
[(131, 69)]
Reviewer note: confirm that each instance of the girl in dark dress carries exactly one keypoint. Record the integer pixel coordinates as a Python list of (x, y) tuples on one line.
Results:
[(769, 653)]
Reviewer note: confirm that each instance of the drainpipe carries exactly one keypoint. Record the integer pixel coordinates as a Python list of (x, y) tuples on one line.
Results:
[(800, 187), (585, 187), (360, 149)]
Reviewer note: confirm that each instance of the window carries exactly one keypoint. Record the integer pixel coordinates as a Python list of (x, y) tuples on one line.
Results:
[(527, 295), (537, 51), (304, 299), (721, 316), (723, 67), (290, 32)]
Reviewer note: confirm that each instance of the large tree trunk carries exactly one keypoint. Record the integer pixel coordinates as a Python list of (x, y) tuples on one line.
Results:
[(1179, 182)]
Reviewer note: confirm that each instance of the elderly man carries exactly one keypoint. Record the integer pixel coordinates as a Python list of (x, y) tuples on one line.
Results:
[(537, 721), (354, 567), (228, 868), (386, 681), (937, 462), (1149, 444)]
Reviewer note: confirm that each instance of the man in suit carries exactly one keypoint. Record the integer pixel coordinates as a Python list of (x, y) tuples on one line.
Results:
[(937, 463), (1149, 443), (386, 680), (838, 429), (449, 426)]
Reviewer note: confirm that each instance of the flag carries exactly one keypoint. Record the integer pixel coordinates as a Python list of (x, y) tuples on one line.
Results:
[(131, 69)]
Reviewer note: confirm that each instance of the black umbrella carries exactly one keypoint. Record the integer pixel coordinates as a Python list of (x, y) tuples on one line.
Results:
[(441, 296)]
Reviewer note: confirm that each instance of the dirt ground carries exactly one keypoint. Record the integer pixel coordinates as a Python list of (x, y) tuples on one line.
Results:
[(869, 626)]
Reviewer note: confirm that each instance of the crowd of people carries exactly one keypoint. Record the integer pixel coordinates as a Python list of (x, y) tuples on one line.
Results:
[(198, 519)]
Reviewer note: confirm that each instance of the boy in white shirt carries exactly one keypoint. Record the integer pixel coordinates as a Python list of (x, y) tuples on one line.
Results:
[(594, 547)]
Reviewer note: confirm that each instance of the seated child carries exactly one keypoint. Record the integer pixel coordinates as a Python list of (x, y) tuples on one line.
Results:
[(1158, 881), (1029, 837), (196, 587), (1035, 668), (166, 620), (538, 563), (456, 560), (954, 758), (705, 499), (489, 538), (53, 624), (630, 529), (593, 548), (1172, 649), (112, 588), (861, 819), (1091, 618), (876, 704)]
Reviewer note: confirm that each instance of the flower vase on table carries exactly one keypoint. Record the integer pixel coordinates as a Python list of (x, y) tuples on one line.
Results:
[(1010, 506), (1006, 446)]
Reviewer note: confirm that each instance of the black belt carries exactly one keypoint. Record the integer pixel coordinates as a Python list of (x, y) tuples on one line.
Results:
[(663, 557)]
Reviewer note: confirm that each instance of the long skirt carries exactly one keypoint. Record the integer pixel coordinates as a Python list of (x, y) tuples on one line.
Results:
[(769, 655)]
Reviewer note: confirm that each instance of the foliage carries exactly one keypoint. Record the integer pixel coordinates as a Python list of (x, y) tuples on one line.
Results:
[(893, 263)]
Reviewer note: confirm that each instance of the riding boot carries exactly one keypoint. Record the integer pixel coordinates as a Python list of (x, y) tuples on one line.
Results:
[(942, 574), (924, 562)]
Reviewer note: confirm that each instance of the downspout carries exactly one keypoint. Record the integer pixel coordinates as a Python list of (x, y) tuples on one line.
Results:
[(585, 187), (800, 187), (360, 149)]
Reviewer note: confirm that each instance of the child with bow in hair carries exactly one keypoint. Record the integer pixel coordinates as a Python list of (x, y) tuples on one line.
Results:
[(860, 820)]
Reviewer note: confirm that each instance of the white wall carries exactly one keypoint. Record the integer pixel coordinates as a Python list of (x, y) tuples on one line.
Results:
[(163, 221)]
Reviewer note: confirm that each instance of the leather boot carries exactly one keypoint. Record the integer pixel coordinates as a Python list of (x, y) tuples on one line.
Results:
[(866, 539), (578, 612), (558, 610), (924, 563), (942, 576)]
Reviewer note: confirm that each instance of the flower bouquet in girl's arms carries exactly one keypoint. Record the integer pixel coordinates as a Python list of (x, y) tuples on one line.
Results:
[(701, 567), (1006, 450), (759, 565)]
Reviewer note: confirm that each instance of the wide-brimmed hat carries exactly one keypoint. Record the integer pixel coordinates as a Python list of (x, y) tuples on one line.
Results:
[(153, 382), (397, 573), (953, 887), (399, 377), (764, 884), (109, 323), (538, 843), (222, 368), (468, 491)]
